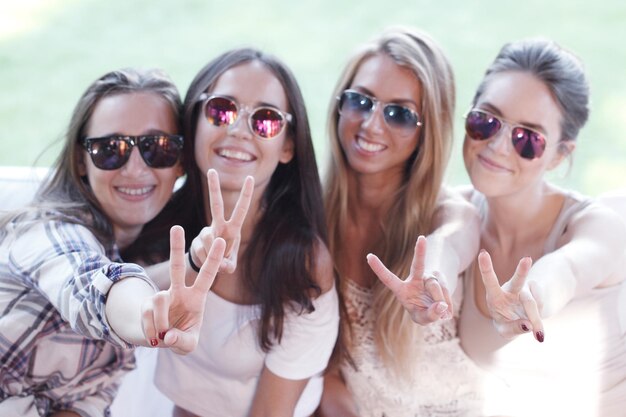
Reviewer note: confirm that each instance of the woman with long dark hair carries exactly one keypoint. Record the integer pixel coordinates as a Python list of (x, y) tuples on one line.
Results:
[(271, 322)]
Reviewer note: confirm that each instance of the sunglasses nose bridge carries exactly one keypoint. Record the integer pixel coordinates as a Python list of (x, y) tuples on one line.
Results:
[(242, 126), (501, 140), (375, 117), (135, 162)]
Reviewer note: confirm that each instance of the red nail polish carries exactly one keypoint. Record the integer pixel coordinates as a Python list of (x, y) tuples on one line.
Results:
[(162, 335), (153, 342), (539, 336), (525, 328)]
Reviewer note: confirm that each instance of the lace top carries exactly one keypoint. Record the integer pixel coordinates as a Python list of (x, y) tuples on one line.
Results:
[(446, 381)]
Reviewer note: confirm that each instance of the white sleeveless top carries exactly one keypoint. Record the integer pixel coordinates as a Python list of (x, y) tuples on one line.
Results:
[(580, 369), (446, 382)]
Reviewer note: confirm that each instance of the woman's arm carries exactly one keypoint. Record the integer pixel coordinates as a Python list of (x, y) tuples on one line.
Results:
[(276, 396), (453, 244), (229, 230), (336, 401), (171, 318), (592, 256), (306, 345)]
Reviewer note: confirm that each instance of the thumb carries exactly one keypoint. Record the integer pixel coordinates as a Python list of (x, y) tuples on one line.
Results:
[(181, 342)]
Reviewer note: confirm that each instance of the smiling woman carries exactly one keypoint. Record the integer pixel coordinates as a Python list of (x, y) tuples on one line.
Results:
[(525, 120), (70, 307)]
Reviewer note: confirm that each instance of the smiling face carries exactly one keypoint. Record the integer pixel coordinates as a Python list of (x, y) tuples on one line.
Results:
[(371, 146), (494, 167), (233, 150), (134, 194)]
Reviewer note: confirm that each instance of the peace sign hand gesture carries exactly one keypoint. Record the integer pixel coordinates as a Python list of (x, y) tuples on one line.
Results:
[(175, 316), (512, 306), (229, 230), (424, 296)]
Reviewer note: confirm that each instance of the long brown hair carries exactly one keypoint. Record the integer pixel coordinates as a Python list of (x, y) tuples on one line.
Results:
[(278, 264), (64, 194), (414, 202)]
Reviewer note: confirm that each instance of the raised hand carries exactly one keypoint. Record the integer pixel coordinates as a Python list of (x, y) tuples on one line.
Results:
[(512, 306), (424, 296), (173, 318), (229, 230)]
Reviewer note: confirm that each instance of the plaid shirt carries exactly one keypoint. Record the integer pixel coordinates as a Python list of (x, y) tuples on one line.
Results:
[(57, 350)]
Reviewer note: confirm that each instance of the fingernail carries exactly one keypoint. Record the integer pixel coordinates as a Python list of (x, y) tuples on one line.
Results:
[(483, 250), (153, 342), (525, 328), (539, 335), (161, 335)]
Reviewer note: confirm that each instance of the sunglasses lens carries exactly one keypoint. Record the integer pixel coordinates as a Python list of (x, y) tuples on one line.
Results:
[(266, 123), (400, 117), (353, 103), (159, 151), (109, 153), (528, 144), (481, 126), (221, 111)]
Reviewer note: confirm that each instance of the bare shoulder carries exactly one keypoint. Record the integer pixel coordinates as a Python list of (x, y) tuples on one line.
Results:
[(323, 266)]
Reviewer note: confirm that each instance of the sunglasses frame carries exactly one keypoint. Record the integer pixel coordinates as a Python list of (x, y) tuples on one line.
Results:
[(287, 118), (375, 103), (132, 141), (512, 126)]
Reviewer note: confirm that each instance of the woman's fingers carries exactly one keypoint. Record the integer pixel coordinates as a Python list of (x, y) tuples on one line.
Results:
[(532, 312), (490, 280), (211, 265), (177, 256), (161, 302), (215, 197), (243, 204), (147, 323), (419, 257), (181, 342), (516, 283), (387, 277)]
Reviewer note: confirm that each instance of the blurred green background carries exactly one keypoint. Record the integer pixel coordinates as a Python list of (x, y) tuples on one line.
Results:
[(50, 50)]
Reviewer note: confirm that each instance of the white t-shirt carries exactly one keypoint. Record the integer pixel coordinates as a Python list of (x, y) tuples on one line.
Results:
[(220, 377)]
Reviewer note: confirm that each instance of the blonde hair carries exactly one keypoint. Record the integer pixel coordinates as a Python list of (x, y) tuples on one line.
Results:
[(414, 202)]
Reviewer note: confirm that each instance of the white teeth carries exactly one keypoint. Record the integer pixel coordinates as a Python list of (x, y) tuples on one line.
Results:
[(135, 191), (369, 146), (230, 154)]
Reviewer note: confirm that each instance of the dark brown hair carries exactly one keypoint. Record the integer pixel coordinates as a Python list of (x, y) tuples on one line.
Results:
[(278, 264)]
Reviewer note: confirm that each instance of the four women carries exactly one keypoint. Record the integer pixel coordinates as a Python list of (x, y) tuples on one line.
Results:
[(265, 331)]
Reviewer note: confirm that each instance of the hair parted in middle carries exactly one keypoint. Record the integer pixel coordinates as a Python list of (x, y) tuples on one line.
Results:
[(411, 212), (278, 263)]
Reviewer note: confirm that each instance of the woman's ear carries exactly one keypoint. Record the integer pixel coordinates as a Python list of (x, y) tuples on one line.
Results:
[(564, 149), (286, 154)]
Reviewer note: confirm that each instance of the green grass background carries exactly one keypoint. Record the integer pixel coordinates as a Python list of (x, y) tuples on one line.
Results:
[(50, 50)]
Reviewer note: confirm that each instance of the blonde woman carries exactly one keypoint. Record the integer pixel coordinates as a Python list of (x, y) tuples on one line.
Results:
[(390, 128)]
